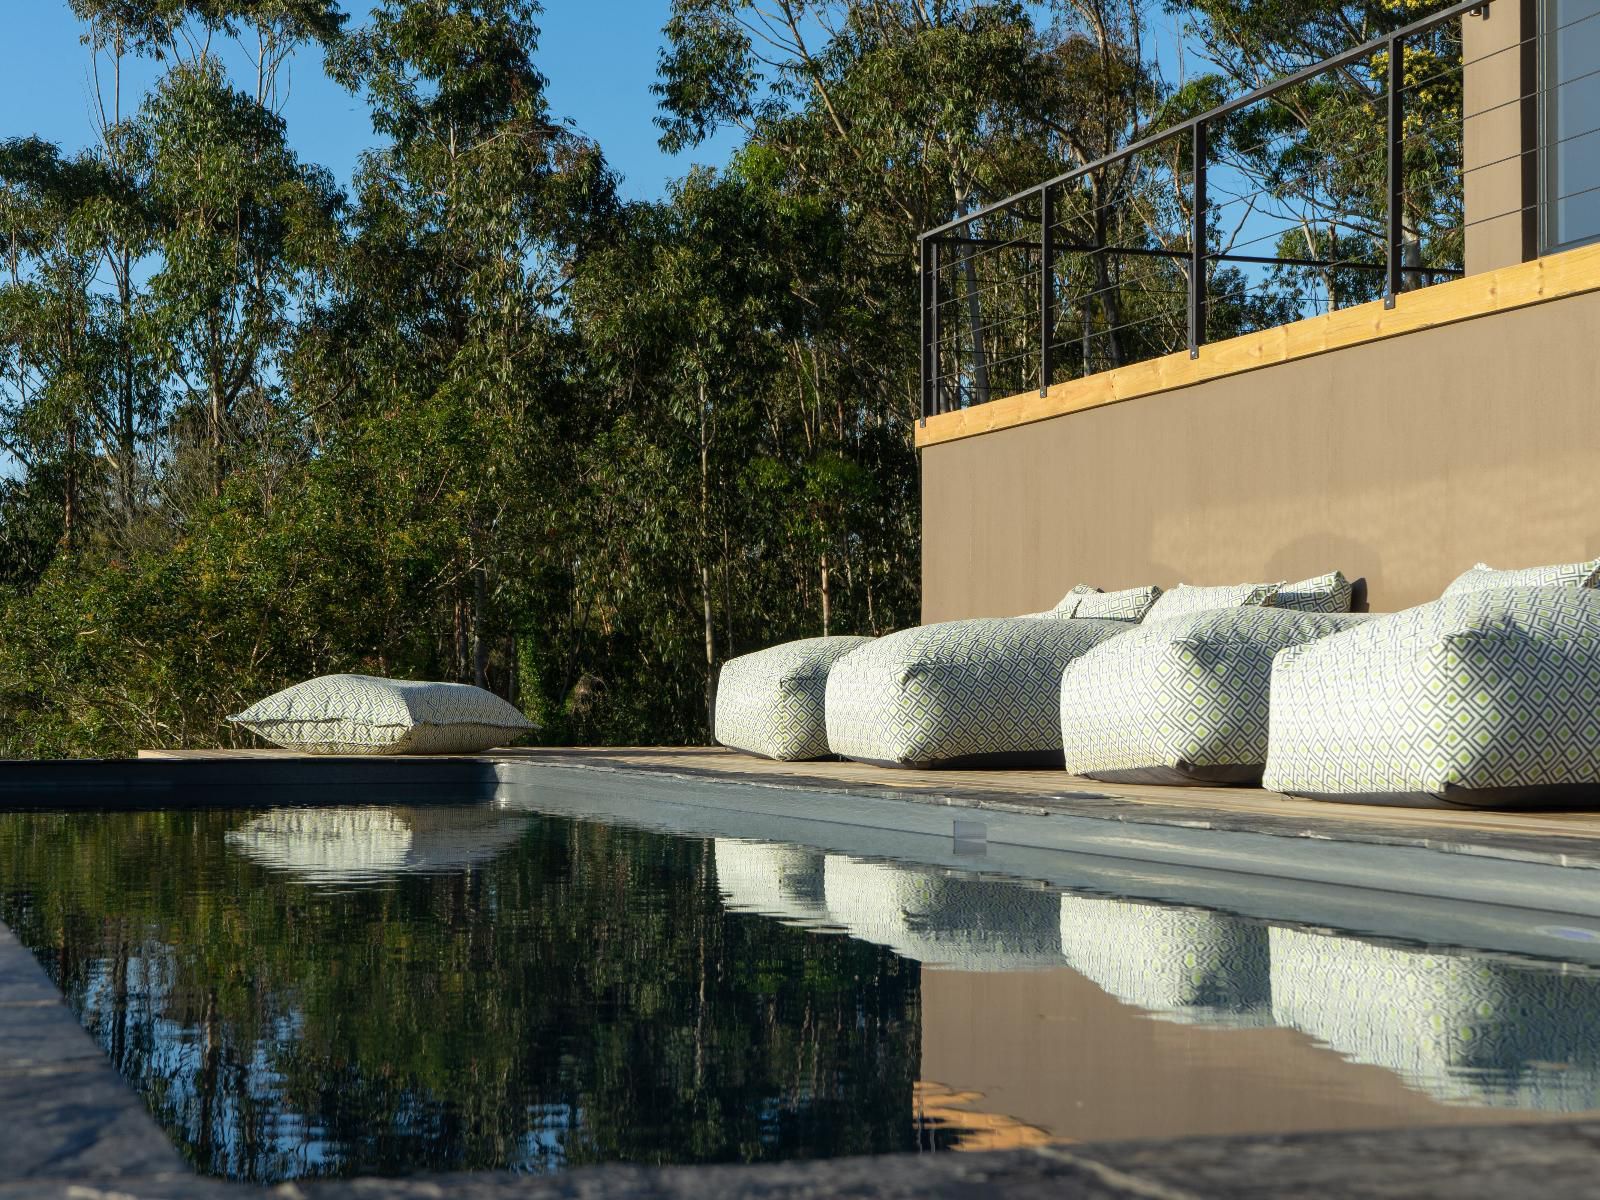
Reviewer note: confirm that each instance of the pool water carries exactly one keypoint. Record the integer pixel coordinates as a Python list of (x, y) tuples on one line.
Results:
[(390, 990)]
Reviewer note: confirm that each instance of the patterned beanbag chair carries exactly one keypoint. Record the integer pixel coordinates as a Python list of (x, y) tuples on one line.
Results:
[(1184, 599), (930, 917), (770, 703), (1182, 701), (1485, 699), (1181, 964), (1462, 1029), (1484, 577), (961, 693)]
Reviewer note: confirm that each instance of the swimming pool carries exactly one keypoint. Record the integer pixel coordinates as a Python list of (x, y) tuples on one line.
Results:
[(390, 989)]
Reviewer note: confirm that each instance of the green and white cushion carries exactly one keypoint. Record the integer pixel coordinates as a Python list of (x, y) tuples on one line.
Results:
[(371, 843), (1183, 600), (1182, 701), (1488, 699), (1330, 593), (959, 693), (1464, 1030), (944, 920), (363, 714), (1185, 965), (1131, 604), (1067, 606), (775, 880), (1484, 577), (770, 703)]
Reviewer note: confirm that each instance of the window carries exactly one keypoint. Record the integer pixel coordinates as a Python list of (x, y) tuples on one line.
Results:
[(1571, 104)]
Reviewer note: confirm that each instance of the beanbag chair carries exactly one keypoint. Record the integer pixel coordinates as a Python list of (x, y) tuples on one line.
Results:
[(1484, 577), (961, 693), (1484, 699), (1182, 701), (770, 703)]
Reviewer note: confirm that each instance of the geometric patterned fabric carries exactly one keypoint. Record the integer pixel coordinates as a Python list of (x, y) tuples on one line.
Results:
[(1488, 698), (1483, 577), (1066, 607), (1129, 605), (941, 920), (1330, 593), (770, 702), (1183, 599), (363, 714), (960, 690), (1183, 700), (1464, 1030), (1179, 964)]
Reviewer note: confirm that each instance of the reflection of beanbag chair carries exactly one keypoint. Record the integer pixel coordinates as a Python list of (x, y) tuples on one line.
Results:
[(342, 845), (1463, 1029), (942, 920), (778, 881), (1486, 698), (1183, 700), (963, 692), (771, 702), (1182, 964)]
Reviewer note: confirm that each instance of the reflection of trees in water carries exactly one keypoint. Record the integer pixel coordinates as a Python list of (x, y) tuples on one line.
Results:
[(581, 997)]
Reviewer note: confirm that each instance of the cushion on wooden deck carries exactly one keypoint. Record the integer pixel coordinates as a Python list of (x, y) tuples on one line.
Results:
[(1330, 593), (1483, 577), (1486, 699), (1182, 701), (1185, 965), (1464, 1030), (1184, 599), (362, 714), (1066, 607), (980, 693), (770, 702)]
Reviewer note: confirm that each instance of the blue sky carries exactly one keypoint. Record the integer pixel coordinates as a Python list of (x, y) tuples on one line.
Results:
[(600, 57)]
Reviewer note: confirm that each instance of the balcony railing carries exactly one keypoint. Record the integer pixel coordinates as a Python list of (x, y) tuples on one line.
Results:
[(1353, 180)]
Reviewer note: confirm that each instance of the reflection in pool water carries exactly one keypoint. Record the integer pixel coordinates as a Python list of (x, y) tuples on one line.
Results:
[(390, 990), (1178, 963)]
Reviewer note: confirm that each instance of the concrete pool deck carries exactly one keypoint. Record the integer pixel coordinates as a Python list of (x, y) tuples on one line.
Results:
[(1518, 884)]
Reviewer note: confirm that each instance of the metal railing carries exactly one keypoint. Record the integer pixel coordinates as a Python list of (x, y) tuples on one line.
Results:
[(1164, 244)]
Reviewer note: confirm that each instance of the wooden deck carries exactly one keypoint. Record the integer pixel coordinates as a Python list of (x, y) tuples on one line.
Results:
[(1571, 837)]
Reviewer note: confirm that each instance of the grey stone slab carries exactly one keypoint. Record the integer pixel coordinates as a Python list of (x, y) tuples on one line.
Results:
[(77, 1121)]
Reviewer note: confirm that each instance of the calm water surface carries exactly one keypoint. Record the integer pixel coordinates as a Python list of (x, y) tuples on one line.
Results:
[(392, 990)]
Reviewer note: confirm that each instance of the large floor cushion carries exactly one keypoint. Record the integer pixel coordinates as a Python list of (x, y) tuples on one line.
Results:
[(1486, 699), (943, 920), (775, 880), (1330, 593), (1185, 599), (961, 693), (770, 703), (1179, 964), (1483, 577), (367, 714), (1182, 701), (1464, 1030)]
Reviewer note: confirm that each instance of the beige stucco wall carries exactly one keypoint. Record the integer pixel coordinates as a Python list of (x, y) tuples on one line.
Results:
[(1402, 461)]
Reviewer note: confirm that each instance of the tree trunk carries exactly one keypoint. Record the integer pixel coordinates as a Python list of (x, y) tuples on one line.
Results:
[(480, 648), (705, 568), (827, 599)]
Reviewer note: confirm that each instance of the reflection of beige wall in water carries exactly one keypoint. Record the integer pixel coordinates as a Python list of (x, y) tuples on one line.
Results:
[(1049, 1049), (1404, 461), (1501, 181)]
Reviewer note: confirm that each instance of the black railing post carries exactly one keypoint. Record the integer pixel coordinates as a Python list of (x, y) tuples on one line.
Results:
[(1198, 236), (929, 359), (933, 324), (1047, 289), (1395, 232)]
